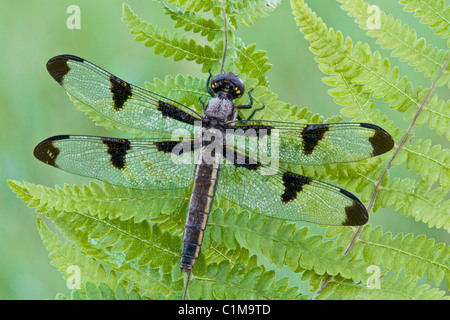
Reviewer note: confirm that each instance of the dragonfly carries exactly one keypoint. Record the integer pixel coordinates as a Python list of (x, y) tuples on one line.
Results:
[(218, 152)]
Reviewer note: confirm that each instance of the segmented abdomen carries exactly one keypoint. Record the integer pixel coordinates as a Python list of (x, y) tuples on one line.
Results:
[(202, 197)]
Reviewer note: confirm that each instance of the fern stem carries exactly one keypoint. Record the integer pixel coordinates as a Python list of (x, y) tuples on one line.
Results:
[(225, 41), (402, 143), (186, 286), (388, 166)]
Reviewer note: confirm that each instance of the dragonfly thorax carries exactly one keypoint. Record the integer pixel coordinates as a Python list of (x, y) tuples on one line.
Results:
[(221, 110)]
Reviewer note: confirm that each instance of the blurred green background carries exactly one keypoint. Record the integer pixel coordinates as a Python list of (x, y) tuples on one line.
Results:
[(33, 106)]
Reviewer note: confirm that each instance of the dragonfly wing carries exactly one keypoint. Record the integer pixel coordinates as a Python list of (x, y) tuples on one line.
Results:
[(147, 164), (118, 100), (312, 144)]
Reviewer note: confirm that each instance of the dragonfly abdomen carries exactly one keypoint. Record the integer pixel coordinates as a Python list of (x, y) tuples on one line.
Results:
[(202, 197)]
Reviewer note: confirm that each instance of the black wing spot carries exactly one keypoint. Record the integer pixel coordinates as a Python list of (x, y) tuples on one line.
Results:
[(117, 149), (166, 146), (356, 213), (47, 152), (259, 131), (121, 91), (293, 184), (168, 110), (240, 160), (176, 147), (381, 141), (311, 136), (58, 67)]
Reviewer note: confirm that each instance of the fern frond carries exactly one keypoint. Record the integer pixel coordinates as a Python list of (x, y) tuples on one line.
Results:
[(138, 248), (431, 12), (246, 12), (196, 5), (145, 243), (393, 35), (417, 256), (105, 201), (102, 291), (242, 281), (352, 85), (222, 280), (155, 284), (67, 257), (427, 160), (218, 252), (140, 241), (190, 21), (391, 287), (95, 282), (252, 62), (367, 71), (169, 44), (280, 242), (417, 200)]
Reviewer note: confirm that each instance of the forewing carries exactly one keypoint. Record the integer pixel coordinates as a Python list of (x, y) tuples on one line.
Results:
[(117, 100), (311, 144), (137, 163)]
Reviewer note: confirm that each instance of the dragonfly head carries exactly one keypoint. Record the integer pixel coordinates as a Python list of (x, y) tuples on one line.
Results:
[(228, 86)]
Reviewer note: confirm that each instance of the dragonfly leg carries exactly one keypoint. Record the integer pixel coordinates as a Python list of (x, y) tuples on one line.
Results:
[(254, 111), (201, 102), (249, 106), (208, 86)]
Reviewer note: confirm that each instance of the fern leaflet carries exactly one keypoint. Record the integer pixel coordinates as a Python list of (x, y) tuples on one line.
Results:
[(432, 12), (394, 35)]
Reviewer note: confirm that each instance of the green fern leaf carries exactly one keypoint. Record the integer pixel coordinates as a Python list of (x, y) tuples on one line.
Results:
[(417, 200), (432, 12), (190, 21), (390, 287), (252, 62), (338, 57), (416, 256), (105, 202), (132, 248), (137, 241), (227, 282), (169, 44), (75, 265), (246, 12), (196, 5), (102, 291), (280, 242), (427, 160), (393, 35)]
